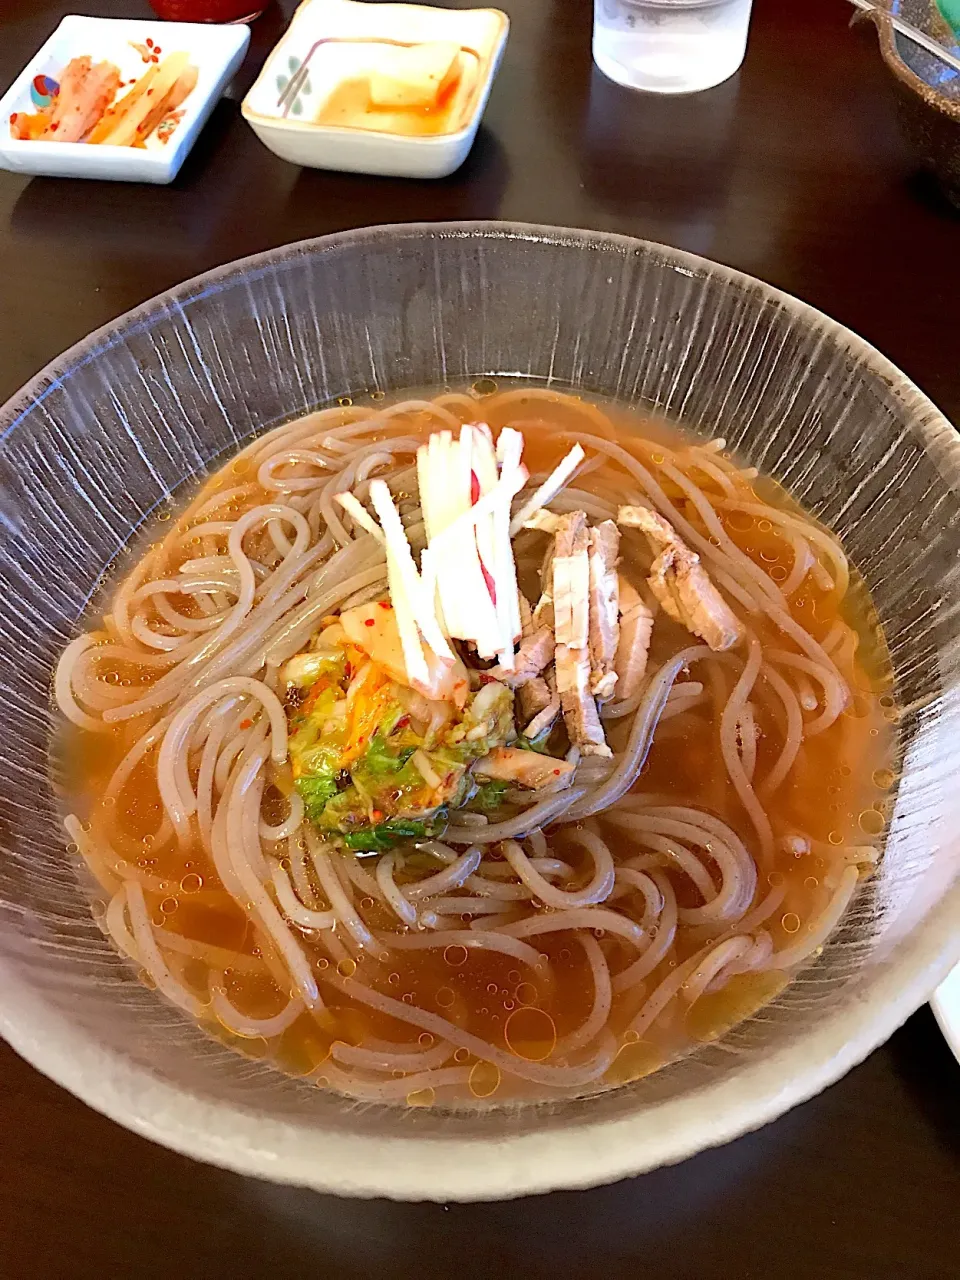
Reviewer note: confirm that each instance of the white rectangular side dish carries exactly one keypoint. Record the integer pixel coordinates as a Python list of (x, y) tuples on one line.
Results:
[(328, 43), (215, 51)]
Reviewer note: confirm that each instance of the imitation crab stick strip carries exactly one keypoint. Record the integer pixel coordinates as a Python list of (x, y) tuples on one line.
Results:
[(465, 596), (409, 584), (354, 507), (514, 475), (554, 482)]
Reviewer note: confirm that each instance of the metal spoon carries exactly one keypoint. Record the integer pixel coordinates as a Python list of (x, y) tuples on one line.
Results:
[(912, 33)]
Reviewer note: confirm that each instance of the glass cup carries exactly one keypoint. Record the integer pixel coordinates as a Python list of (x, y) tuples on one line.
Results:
[(670, 46)]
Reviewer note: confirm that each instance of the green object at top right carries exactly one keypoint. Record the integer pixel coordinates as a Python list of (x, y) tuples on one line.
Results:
[(950, 9)]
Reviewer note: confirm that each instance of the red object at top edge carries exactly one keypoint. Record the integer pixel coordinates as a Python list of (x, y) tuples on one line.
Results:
[(207, 10)]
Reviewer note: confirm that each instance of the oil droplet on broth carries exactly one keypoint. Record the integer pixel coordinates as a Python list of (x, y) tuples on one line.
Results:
[(484, 1079), (422, 1097), (526, 994), (461, 1055), (344, 402), (445, 997), (530, 1033), (790, 922), (425, 1040), (485, 386), (884, 779), (168, 906), (455, 955), (347, 968), (871, 822)]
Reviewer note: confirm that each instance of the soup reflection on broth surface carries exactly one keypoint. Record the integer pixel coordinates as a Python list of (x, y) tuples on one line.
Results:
[(490, 746)]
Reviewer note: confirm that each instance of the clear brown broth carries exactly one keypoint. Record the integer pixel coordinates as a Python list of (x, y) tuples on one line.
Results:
[(838, 794)]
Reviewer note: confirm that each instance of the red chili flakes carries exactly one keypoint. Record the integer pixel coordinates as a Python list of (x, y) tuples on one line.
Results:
[(55, 126), (402, 722), (485, 679), (246, 724), (368, 622), (377, 815), (383, 605), (556, 773), (149, 43), (474, 488)]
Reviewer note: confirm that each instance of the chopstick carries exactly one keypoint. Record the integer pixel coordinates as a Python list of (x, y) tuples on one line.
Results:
[(911, 32)]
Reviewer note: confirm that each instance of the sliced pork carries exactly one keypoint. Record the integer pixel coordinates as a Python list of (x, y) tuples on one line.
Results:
[(577, 702), (535, 652), (539, 704), (636, 625), (681, 584), (571, 580), (604, 627)]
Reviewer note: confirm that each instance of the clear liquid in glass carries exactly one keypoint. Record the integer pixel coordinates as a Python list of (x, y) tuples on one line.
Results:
[(670, 46)]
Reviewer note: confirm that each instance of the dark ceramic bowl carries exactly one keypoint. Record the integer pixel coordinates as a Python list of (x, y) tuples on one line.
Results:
[(928, 91)]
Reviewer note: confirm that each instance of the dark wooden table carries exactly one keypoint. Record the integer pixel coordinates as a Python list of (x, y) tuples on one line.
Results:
[(794, 172)]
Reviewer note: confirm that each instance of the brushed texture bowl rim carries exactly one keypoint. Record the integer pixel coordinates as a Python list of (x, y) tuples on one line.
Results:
[(591, 1152)]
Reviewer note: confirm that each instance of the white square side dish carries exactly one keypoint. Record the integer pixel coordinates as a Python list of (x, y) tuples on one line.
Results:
[(215, 51), (328, 43)]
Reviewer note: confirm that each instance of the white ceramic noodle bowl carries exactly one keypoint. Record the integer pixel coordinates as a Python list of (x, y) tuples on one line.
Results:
[(145, 404)]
